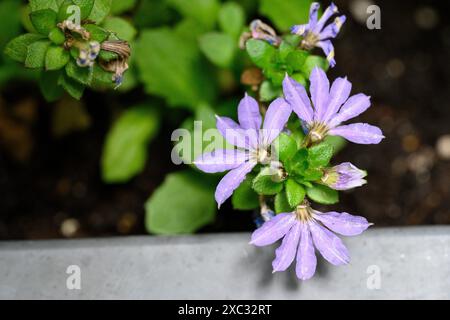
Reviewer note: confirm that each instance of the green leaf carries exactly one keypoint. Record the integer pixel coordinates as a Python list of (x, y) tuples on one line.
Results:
[(74, 88), (171, 67), (56, 58), (17, 48), (314, 61), (265, 184), (296, 59), (320, 155), (125, 150), (295, 193), (268, 92), (203, 11), (312, 174), (44, 4), (231, 19), (97, 33), (285, 13), (121, 6), (218, 47), (300, 78), (100, 10), (108, 55), (43, 20), (121, 27), (36, 54), (286, 147), (338, 143), (85, 7), (322, 194), (82, 75), (260, 52), (49, 86), (182, 204), (57, 36), (244, 197), (282, 204), (298, 163)]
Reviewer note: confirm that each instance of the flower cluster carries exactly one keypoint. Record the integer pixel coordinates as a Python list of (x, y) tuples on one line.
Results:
[(287, 159)]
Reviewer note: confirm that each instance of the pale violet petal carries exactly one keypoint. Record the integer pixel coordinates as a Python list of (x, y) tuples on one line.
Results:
[(354, 106), (362, 133), (339, 93), (295, 94), (320, 92), (248, 113), (343, 223), (221, 160), (276, 117), (273, 230), (306, 257), (285, 253)]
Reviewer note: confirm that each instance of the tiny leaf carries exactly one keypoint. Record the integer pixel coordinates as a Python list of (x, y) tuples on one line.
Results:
[(260, 52), (282, 204), (43, 20), (17, 48), (295, 193), (286, 147), (265, 184), (36, 54), (56, 58), (320, 155), (322, 194)]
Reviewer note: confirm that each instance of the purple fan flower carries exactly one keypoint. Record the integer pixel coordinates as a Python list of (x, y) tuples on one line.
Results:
[(332, 106), (304, 229), (315, 34), (253, 143), (344, 176)]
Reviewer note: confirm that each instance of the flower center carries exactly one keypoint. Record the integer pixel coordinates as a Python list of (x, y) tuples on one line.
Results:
[(309, 41), (263, 156), (302, 212), (317, 132)]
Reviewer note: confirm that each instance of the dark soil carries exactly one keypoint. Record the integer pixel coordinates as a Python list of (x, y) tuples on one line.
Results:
[(51, 187)]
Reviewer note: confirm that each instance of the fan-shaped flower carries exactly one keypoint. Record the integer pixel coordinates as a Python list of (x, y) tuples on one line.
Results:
[(332, 106), (306, 229)]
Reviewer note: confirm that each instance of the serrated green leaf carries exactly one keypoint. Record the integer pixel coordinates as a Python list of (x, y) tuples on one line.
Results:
[(285, 147), (282, 204), (295, 193), (244, 197), (218, 47), (231, 19), (171, 67), (298, 163), (312, 174), (314, 61), (57, 36), (265, 184), (74, 88), (36, 53), (56, 58), (125, 150), (100, 10), (285, 13), (85, 7), (322, 194), (49, 86), (43, 20), (320, 155), (97, 33), (82, 75), (17, 48), (260, 52), (182, 204), (203, 11), (44, 4), (296, 59), (121, 27)]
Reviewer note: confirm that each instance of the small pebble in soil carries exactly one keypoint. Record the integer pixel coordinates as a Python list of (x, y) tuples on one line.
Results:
[(69, 227), (443, 147), (426, 17)]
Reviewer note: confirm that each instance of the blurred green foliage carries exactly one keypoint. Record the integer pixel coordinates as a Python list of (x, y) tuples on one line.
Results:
[(185, 54)]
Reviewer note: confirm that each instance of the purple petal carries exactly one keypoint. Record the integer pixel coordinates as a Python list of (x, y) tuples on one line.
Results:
[(362, 133), (313, 11), (332, 9), (295, 94), (339, 93), (300, 29), (248, 113), (328, 244), (306, 257), (332, 30), (320, 88), (354, 106), (343, 223), (285, 253), (273, 230), (277, 116), (328, 49), (233, 133), (231, 181), (221, 160)]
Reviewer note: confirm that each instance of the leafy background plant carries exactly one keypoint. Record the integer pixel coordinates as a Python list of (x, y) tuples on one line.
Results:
[(185, 65)]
